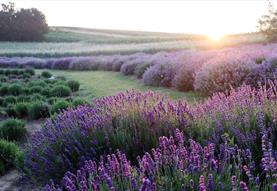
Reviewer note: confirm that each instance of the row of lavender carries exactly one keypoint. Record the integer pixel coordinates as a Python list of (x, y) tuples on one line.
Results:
[(172, 166), (205, 71), (240, 130)]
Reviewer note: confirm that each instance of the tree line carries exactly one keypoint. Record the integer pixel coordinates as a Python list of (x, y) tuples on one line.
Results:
[(22, 24)]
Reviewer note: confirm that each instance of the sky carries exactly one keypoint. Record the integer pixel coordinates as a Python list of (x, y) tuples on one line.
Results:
[(214, 18)]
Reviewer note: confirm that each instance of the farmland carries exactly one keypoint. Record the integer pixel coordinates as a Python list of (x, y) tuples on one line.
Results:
[(79, 42), (130, 110)]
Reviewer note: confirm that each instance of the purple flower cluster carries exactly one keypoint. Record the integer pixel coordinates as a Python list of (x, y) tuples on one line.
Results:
[(134, 121), (159, 75), (222, 72), (207, 71), (63, 143), (174, 166)]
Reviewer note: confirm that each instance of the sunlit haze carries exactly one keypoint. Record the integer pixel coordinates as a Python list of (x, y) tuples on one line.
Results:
[(214, 18)]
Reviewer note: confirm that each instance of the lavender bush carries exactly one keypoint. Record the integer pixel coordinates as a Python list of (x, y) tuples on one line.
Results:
[(63, 143), (159, 75), (83, 64), (133, 121), (61, 64), (141, 68), (206, 71), (128, 68), (263, 72), (185, 74), (222, 73), (174, 166)]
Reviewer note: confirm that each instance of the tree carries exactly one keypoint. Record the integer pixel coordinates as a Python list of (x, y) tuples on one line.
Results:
[(268, 23), (22, 24)]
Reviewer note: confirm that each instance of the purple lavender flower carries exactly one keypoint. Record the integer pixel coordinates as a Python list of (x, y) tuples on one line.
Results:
[(243, 186)]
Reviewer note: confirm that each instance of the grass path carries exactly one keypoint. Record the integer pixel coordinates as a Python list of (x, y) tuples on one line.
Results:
[(103, 83)]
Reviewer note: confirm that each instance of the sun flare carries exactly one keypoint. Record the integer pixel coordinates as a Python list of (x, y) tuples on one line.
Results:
[(216, 37)]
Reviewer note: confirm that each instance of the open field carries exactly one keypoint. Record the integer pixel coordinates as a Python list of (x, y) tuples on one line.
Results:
[(62, 41), (104, 83), (191, 136), (86, 109)]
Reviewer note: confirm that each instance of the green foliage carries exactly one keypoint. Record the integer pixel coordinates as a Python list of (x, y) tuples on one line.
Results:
[(25, 91), (9, 100), (59, 106), (268, 23), (21, 72), (2, 166), (37, 97), (34, 98), (60, 83), (40, 83), (13, 130), (30, 71), (60, 78), (1, 101), (26, 76), (15, 72), (74, 85), (7, 72), (9, 153), (21, 24), (60, 91), (3, 79), (46, 74), (52, 100), (21, 109), (4, 90), (23, 98), (10, 110), (35, 89), (78, 101), (38, 110), (15, 89), (46, 92)]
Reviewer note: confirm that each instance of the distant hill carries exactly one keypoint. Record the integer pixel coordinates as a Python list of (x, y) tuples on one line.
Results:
[(75, 34), (72, 41)]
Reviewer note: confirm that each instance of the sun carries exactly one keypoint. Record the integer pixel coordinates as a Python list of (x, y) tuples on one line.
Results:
[(216, 36)]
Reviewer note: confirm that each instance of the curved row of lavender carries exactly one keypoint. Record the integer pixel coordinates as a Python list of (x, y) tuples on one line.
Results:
[(134, 121), (173, 166), (207, 71)]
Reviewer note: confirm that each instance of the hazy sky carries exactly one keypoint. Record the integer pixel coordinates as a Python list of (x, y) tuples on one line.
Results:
[(203, 17)]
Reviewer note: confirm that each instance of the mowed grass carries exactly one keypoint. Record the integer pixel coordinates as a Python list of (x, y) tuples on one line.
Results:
[(104, 83)]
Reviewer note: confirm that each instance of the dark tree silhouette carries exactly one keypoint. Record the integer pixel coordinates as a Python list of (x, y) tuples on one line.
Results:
[(268, 23), (22, 24)]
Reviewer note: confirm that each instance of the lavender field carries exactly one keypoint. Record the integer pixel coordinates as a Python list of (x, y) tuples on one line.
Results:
[(91, 109), (204, 71)]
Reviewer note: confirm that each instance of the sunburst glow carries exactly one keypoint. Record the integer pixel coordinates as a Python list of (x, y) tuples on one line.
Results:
[(216, 37)]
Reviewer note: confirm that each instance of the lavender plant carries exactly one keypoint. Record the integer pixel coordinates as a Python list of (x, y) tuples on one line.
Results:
[(206, 71), (173, 166), (222, 73), (133, 121), (159, 75), (263, 72)]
